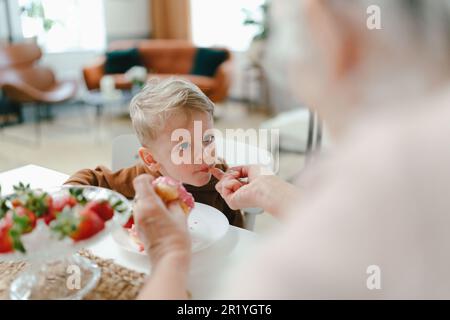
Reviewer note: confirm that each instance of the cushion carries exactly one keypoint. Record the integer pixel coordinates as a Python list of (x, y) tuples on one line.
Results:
[(120, 61), (206, 61)]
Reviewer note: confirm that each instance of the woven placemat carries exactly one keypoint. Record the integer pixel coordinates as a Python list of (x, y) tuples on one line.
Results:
[(116, 282)]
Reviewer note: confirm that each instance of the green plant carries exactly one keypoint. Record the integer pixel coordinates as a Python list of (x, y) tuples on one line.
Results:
[(262, 24), (35, 9), (139, 84)]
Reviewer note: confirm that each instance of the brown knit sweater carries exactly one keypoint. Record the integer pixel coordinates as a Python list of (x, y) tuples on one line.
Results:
[(122, 182)]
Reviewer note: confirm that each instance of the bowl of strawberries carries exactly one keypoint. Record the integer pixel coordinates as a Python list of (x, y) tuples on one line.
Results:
[(46, 228)]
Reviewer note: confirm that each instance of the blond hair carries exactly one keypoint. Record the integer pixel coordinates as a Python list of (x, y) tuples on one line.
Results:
[(159, 99)]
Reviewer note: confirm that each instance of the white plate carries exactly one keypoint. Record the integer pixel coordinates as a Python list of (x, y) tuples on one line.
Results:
[(206, 225)]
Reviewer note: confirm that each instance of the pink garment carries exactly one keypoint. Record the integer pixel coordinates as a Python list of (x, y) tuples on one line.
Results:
[(383, 198)]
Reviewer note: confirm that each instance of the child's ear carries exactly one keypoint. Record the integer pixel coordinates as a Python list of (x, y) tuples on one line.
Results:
[(148, 159)]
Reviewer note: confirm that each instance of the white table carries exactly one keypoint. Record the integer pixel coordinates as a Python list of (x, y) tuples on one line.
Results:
[(209, 267)]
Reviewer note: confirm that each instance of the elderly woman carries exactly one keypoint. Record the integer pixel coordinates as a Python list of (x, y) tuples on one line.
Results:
[(371, 219)]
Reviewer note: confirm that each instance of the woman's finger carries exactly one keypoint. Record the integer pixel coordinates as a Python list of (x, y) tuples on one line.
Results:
[(146, 197), (247, 171), (230, 185), (250, 171), (238, 171), (233, 173), (240, 198), (143, 186), (175, 209)]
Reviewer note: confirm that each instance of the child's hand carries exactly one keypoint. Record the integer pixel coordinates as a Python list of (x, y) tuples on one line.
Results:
[(163, 230)]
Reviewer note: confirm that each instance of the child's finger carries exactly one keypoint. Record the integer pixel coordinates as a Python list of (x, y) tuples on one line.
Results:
[(217, 173)]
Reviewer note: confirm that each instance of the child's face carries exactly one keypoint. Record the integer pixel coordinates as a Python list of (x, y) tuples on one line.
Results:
[(163, 153)]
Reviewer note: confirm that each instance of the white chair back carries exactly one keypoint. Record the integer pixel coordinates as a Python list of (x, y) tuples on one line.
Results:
[(125, 151), (237, 153)]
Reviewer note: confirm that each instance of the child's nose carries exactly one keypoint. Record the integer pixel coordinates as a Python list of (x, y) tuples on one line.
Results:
[(198, 155), (209, 154)]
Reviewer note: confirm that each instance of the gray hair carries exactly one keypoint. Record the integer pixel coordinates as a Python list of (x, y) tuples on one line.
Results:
[(422, 25), (419, 27)]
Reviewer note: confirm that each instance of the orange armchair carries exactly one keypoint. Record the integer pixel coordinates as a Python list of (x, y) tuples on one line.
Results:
[(23, 81), (165, 58)]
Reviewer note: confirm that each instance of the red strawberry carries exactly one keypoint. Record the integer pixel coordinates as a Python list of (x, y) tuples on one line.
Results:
[(50, 216), (51, 213), (49, 203), (6, 241), (36, 201), (61, 203), (16, 203), (102, 208), (22, 219), (90, 224), (129, 223), (9, 238)]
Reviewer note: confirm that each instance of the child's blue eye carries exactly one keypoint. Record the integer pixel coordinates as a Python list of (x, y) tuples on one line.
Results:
[(184, 146)]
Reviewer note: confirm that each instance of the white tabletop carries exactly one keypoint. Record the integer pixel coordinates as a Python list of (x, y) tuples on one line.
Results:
[(209, 266)]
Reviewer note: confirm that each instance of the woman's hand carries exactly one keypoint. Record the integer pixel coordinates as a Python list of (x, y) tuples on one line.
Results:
[(163, 230), (166, 238), (252, 186), (246, 179)]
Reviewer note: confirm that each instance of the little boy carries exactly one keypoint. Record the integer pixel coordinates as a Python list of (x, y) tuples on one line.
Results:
[(162, 113)]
